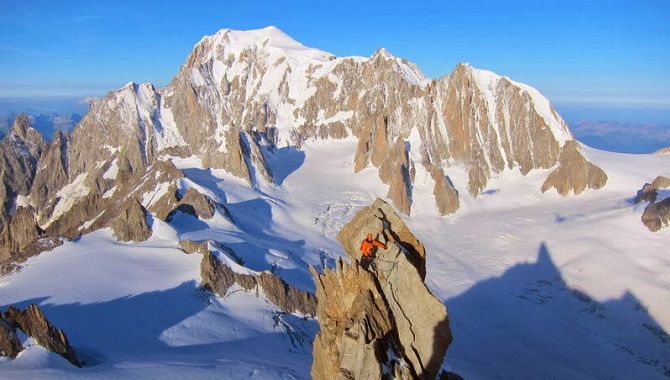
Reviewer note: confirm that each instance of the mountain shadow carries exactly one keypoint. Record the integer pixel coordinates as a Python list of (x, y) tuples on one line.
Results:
[(529, 324), (124, 327), (181, 327)]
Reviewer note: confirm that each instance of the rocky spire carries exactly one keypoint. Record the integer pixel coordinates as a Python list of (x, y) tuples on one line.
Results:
[(383, 322), (20, 150), (52, 178), (131, 222)]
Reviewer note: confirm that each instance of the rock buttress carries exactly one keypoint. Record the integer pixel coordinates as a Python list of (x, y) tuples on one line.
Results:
[(574, 172)]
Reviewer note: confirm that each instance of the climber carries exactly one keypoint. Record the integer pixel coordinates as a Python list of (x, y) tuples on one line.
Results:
[(368, 250)]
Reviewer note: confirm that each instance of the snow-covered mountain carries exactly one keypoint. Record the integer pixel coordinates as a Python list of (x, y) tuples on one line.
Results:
[(268, 148), (241, 92)]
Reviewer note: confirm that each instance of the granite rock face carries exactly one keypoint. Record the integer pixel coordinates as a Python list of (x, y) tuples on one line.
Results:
[(491, 122), (381, 323), (384, 223)]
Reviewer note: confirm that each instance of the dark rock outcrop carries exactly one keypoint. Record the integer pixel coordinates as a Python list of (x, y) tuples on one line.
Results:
[(657, 214), (21, 230), (34, 324), (382, 323), (9, 341), (193, 203), (131, 223), (219, 272), (105, 199), (190, 246), (649, 191), (574, 172)]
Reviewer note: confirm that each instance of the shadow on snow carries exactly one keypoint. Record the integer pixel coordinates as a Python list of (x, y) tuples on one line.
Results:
[(262, 249), (129, 330), (528, 323), (283, 162)]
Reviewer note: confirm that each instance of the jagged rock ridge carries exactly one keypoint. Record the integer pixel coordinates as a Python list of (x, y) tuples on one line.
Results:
[(220, 271), (34, 324), (382, 323)]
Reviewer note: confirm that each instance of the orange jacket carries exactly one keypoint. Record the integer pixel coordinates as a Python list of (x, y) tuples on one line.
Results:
[(368, 246)]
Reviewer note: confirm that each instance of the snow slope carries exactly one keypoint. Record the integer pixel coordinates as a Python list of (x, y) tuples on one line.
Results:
[(536, 285)]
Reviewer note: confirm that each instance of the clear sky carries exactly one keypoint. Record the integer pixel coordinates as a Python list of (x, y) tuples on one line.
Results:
[(575, 52)]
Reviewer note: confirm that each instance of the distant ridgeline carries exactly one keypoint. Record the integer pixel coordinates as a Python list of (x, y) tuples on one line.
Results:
[(44, 122), (615, 136)]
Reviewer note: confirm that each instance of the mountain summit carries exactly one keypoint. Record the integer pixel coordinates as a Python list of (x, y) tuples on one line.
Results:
[(241, 95)]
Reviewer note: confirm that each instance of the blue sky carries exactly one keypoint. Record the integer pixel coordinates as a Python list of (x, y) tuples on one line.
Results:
[(575, 52)]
